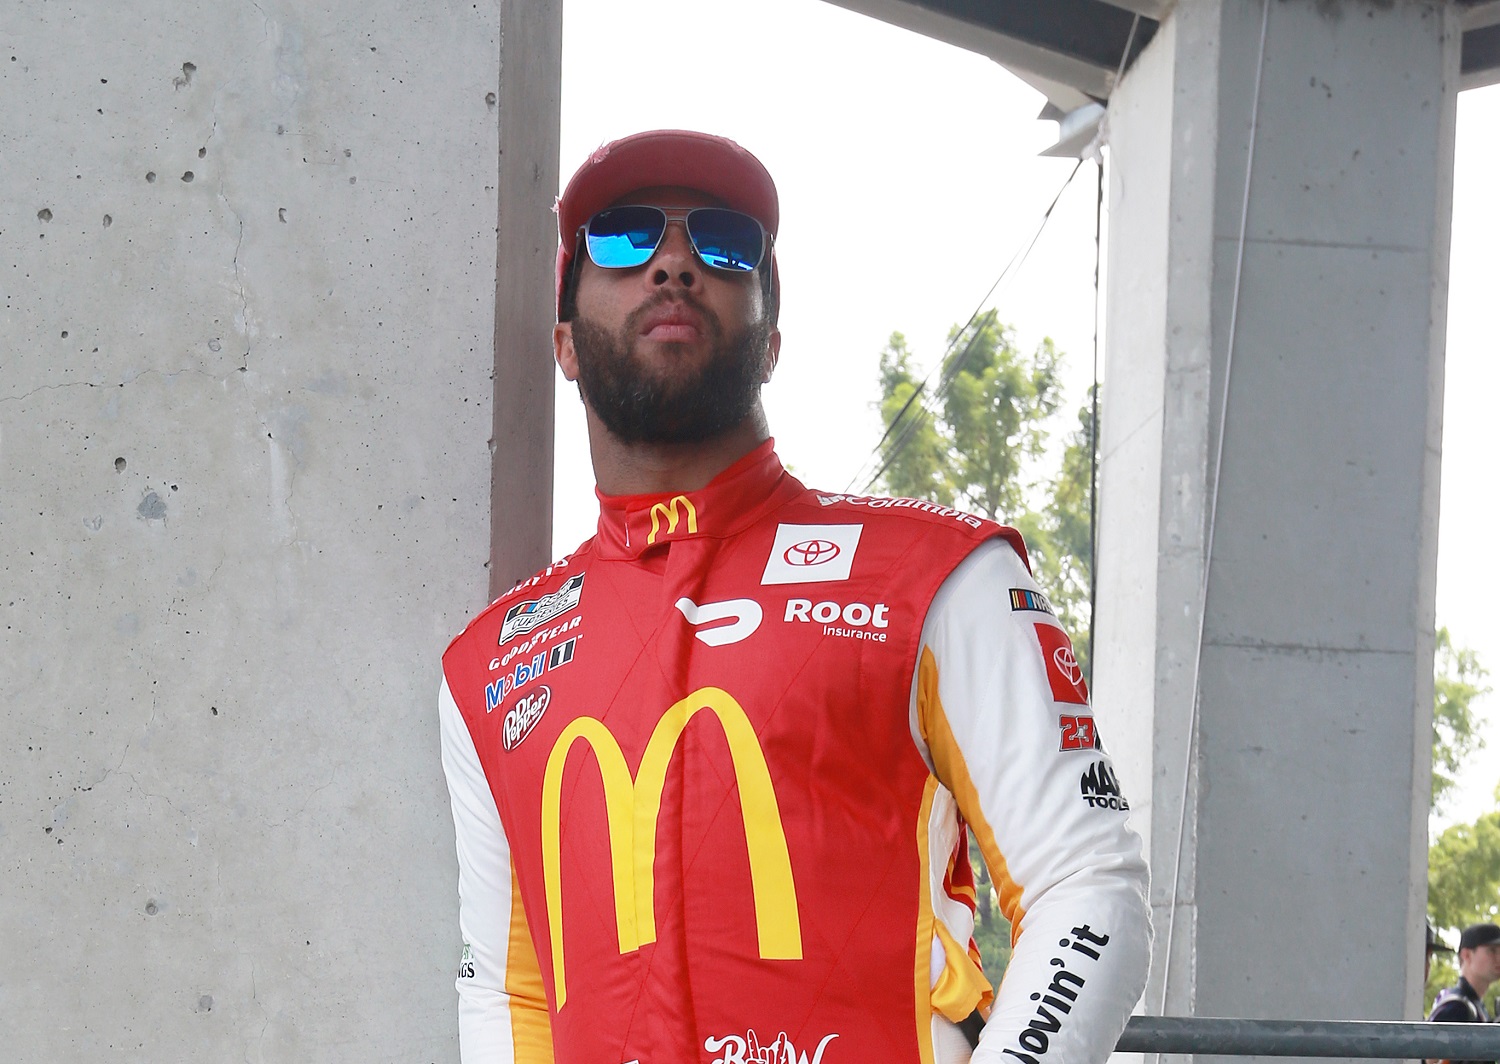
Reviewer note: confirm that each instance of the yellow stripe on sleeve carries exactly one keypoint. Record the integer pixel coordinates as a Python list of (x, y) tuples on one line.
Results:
[(530, 1023), (925, 923), (948, 762)]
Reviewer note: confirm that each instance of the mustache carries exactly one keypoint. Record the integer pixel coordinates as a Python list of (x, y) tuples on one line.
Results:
[(682, 299)]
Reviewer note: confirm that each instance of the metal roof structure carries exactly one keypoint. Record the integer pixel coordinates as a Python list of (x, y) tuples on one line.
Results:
[(1072, 51)]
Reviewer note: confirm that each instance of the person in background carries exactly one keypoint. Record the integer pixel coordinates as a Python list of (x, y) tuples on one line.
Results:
[(1478, 967)]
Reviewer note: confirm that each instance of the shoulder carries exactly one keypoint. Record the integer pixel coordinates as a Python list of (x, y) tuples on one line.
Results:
[(550, 592), (1452, 1006)]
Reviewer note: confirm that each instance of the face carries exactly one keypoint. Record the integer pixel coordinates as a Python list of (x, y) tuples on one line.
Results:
[(672, 351), (1484, 962)]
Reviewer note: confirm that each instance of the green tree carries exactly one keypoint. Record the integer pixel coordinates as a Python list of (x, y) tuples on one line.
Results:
[(993, 414), (915, 454), (991, 928), (1457, 675), (1463, 863)]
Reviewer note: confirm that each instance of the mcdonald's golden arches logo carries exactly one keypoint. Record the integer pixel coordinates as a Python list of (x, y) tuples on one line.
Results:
[(668, 510), (631, 807)]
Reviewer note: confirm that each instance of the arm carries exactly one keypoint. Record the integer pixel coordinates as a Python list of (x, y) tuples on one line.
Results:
[(1014, 742), (502, 1010)]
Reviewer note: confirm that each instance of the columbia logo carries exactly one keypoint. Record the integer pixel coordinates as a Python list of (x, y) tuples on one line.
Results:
[(1100, 787)]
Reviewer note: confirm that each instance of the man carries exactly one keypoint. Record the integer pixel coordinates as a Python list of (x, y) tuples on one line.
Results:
[(713, 773), (1478, 967)]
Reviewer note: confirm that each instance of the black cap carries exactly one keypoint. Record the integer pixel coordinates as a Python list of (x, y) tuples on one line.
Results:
[(1478, 935), (1435, 944)]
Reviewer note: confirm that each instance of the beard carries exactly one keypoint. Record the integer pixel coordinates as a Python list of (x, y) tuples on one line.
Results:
[(639, 406)]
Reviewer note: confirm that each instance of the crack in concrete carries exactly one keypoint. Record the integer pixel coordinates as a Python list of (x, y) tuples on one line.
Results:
[(255, 997), (129, 378), (50, 388), (208, 581), (332, 776), (239, 277), (152, 794)]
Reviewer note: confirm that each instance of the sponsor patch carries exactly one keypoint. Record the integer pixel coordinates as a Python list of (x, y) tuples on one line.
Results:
[(1056, 1002), (1101, 788), (669, 515), (744, 616), (857, 620), (1063, 674), (526, 616), (526, 671), (811, 554), (466, 963), (523, 716), (536, 640), (1078, 733), (1024, 599), (748, 1049), (878, 502)]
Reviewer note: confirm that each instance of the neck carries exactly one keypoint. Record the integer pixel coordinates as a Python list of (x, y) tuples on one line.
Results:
[(1479, 983), (656, 468)]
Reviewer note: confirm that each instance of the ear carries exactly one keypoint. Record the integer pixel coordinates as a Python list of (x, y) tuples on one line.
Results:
[(773, 354), (562, 349)]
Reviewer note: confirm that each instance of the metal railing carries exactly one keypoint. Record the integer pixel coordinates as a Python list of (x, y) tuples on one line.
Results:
[(1373, 1039)]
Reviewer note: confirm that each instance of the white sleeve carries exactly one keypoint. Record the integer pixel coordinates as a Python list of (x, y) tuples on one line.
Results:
[(484, 897), (996, 714)]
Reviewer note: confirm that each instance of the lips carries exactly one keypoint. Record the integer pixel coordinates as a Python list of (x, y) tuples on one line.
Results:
[(672, 323)]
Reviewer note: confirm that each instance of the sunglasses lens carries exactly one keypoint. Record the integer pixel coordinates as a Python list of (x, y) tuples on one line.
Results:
[(622, 237), (726, 240)]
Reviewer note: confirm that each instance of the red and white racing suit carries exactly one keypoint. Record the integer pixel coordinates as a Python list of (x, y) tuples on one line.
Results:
[(711, 778)]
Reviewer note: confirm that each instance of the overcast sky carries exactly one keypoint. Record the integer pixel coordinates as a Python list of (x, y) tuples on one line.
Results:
[(892, 124)]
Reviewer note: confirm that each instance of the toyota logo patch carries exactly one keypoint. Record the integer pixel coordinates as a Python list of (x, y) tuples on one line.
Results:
[(1067, 664), (811, 552)]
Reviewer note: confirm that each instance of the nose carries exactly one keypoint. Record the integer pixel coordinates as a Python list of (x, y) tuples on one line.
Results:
[(675, 262)]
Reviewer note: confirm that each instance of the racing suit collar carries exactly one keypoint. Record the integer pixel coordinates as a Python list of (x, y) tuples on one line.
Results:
[(629, 525)]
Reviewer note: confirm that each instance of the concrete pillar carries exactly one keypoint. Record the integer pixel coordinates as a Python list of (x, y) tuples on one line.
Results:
[(1301, 882), (530, 117), (247, 296)]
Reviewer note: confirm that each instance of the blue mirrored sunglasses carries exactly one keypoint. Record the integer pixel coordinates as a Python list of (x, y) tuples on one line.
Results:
[(621, 237)]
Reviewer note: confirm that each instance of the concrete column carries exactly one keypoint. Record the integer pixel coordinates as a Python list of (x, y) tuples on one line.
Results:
[(247, 300), (1301, 881), (530, 117)]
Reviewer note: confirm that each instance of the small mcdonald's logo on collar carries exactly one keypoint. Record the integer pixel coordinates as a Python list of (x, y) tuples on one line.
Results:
[(676, 510)]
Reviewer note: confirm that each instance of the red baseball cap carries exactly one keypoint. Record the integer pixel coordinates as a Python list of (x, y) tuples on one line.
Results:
[(715, 166)]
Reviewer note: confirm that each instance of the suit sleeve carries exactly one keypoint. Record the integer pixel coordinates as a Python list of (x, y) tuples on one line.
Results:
[(1008, 730), (502, 1013)]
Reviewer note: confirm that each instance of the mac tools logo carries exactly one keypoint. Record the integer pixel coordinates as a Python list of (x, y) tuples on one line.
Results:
[(1101, 788), (744, 615), (811, 554)]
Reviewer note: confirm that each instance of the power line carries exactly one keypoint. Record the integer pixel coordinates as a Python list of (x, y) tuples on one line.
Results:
[(951, 373)]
